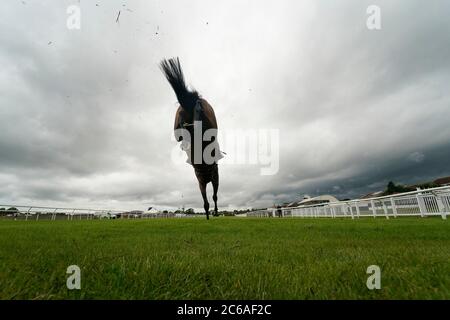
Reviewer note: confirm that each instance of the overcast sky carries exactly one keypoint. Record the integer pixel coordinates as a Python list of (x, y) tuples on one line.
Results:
[(86, 116)]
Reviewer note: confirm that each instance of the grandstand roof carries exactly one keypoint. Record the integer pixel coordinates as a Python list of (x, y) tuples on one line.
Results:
[(314, 200)]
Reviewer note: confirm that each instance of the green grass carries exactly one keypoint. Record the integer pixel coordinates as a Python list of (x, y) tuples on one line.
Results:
[(226, 258)]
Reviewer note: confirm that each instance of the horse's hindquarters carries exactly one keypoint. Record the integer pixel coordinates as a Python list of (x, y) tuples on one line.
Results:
[(206, 173)]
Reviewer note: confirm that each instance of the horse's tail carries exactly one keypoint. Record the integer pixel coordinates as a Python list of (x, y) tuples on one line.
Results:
[(174, 74)]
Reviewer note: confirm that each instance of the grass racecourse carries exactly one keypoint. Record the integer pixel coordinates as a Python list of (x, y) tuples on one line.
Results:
[(226, 258)]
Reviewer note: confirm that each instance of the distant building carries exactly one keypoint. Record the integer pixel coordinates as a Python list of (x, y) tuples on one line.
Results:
[(373, 195), (307, 200), (326, 198), (151, 210), (131, 214), (442, 181)]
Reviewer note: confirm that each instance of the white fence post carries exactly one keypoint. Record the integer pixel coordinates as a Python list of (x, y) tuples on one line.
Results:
[(441, 206), (374, 209), (351, 211), (419, 203), (394, 208), (26, 215), (358, 212), (385, 209)]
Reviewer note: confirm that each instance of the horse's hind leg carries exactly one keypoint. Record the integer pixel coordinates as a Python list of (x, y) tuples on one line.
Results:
[(205, 198), (215, 183)]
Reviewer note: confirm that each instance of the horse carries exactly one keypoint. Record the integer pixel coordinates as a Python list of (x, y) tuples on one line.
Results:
[(195, 113)]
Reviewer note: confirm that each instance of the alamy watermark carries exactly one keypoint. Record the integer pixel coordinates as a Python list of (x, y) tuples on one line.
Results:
[(74, 18), (374, 19), (374, 280), (232, 147), (74, 280)]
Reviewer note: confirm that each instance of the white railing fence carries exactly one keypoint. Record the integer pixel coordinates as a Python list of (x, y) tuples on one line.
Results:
[(421, 203), (19, 212), (53, 213)]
